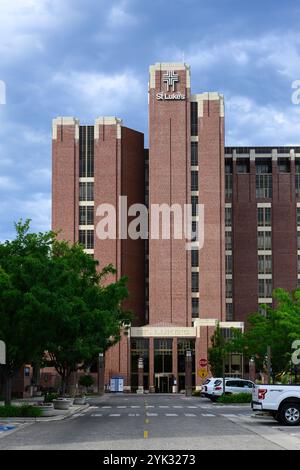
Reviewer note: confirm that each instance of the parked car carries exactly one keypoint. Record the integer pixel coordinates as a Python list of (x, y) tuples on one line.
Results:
[(281, 401), (232, 386)]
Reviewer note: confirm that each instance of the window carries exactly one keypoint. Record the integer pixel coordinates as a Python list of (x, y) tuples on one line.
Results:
[(194, 154), (195, 282), (86, 191), (195, 202), (228, 217), (86, 151), (86, 215), (194, 231), (194, 118), (263, 166), (228, 167), (195, 308), (228, 186), (265, 264), (195, 258), (228, 264), (229, 312), (228, 241), (195, 180), (229, 288), (297, 185), (263, 186), (265, 288), (298, 215), (242, 165), (264, 241), (284, 165), (163, 349), (264, 216), (86, 238)]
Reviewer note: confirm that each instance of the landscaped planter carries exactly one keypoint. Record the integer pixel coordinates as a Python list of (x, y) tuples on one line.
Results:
[(62, 403), (47, 409), (80, 401)]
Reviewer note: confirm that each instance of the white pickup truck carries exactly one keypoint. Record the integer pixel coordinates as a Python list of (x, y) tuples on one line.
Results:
[(281, 401)]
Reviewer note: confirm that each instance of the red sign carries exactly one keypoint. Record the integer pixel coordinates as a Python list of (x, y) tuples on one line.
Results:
[(203, 362)]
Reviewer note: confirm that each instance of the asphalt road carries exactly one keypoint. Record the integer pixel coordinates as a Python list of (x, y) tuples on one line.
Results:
[(155, 422)]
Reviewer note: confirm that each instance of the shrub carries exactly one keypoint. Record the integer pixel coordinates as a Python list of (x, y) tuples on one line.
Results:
[(24, 411), (49, 397), (197, 393), (236, 398), (86, 381)]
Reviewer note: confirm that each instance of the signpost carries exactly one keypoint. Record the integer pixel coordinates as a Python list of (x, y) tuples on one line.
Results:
[(203, 363), (203, 373)]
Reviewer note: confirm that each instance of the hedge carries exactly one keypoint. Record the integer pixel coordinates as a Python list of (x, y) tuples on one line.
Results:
[(236, 398), (24, 411)]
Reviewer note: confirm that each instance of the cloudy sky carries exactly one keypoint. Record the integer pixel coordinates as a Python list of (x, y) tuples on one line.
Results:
[(90, 58)]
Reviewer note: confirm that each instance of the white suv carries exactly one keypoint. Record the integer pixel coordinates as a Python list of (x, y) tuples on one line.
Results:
[(232, 386), (208, 386)]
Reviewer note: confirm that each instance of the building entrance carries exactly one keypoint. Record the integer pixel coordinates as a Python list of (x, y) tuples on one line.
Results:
[(163, 383)]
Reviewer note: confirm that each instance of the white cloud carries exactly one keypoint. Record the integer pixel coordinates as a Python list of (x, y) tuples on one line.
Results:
[(99, 93), (250, 123), (119, 15), (23, 24), (8, 184)]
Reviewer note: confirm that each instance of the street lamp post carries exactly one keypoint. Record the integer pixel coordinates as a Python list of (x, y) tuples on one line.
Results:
[(188, 372), (252, 369), (140, 375), (101, 373)]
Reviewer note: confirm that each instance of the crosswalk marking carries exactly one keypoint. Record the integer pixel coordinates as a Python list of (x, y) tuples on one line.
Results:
[(121, 407), (106, 407), (164, 406), (171, 414), (135, 407), (190, 415), (192, 406), (133, 415), (152, 414), (114, 416), (178, 406), (209, 415)]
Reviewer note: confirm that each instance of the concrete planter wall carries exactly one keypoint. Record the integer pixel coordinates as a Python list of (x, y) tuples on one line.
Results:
[(80, 401), (47, 410), (62, 404)]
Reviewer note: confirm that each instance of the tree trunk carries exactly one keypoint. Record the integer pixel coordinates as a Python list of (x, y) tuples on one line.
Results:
[(36, 374), (7, 387)]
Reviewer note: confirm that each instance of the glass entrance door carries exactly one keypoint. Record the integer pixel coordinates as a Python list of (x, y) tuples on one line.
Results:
[(163, 383)]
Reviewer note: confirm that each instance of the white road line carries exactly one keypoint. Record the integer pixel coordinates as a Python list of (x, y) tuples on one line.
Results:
[(133, 415), (208, 415), (192, 406), (151, 414), (114, 416), (135, 407), (150, 406), (171, 414), (105, 407), (190, 415), (178, 406), (96, 415), (228, 415), (121, 407), (163, 406)]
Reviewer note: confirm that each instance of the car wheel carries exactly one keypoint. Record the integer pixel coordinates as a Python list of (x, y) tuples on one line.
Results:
[(289, 414)]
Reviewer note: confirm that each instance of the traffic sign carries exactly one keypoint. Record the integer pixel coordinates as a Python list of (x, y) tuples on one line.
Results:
[(203, 373), (203, 363)]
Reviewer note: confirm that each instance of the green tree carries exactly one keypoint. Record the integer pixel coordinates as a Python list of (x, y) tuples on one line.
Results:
[(278, 328), (217, 353), (52, 298)]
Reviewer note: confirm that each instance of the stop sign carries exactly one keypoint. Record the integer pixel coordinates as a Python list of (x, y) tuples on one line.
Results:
[(203, 362)]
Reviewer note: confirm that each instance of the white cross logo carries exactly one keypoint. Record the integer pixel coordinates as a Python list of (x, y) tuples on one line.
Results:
[(170, 78)]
